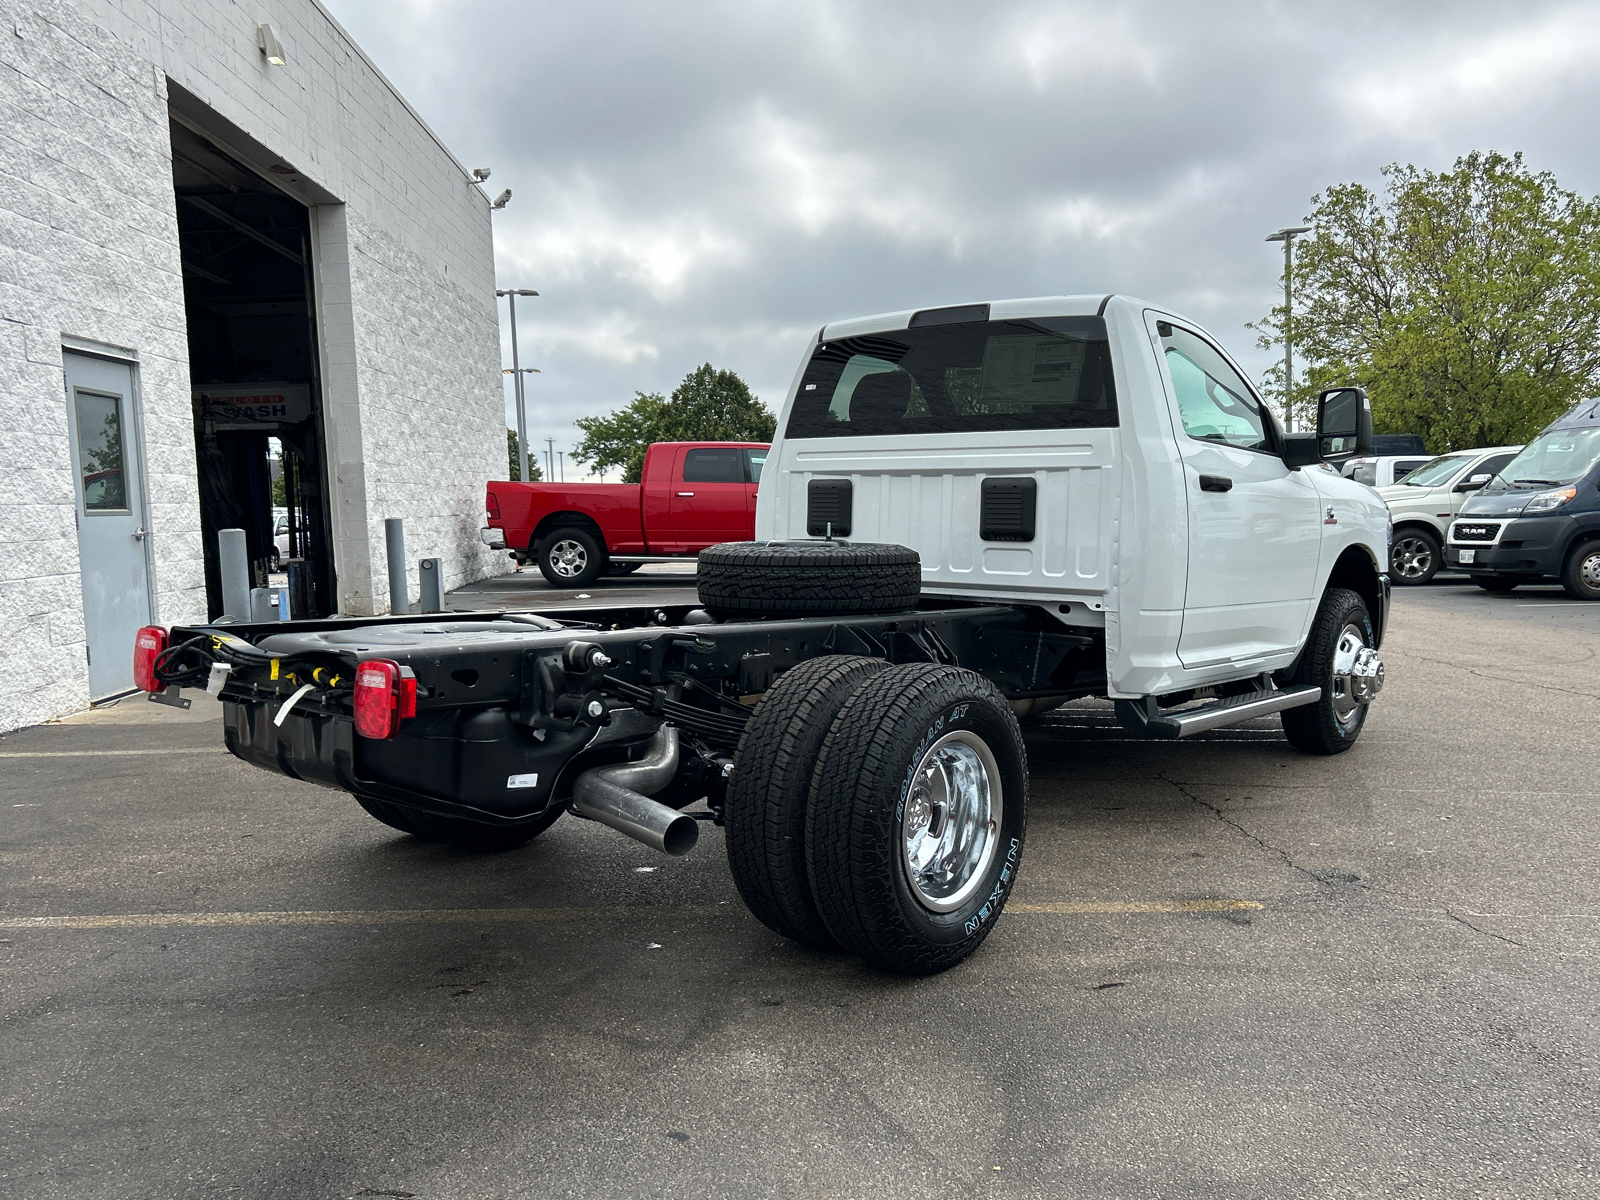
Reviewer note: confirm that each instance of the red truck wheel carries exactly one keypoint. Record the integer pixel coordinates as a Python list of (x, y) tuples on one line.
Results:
[(571, 558)]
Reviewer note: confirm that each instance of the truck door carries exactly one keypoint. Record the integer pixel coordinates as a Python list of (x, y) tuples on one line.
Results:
[(709, 502), (1255, 526)]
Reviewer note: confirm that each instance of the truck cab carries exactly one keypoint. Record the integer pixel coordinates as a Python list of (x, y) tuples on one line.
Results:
[(1100, 457)]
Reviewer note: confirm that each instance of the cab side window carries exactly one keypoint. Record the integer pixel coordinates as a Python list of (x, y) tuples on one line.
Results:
[(1408, 465), (1215, 402), (1493, 465), (722, 465)]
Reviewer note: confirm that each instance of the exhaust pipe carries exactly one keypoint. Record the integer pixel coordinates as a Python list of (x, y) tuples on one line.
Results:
[(613, 796)]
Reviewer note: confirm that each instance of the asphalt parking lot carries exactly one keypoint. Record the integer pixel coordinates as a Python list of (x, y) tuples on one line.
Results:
[(1228, 971)]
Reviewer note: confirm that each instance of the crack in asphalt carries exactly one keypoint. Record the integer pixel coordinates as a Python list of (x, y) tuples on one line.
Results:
[(1231, 823), (1455, 916), (1321, 877), (1443, 662)]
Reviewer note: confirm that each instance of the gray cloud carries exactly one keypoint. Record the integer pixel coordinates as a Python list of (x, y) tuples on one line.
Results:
[(714, 181)]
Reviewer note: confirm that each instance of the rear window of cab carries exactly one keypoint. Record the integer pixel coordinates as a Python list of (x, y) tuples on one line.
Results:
[(969, 377)]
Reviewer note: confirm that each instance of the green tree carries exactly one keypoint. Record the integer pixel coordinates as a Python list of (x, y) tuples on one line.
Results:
[(514, 471), (1466, 302), (708, 406)]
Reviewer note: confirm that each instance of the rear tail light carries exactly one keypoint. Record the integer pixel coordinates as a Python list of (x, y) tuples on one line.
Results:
[(493, 507), (386, 694), (148, 644)]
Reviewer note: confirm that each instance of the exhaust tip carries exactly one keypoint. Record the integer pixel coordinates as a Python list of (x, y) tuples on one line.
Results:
[(681, 836)]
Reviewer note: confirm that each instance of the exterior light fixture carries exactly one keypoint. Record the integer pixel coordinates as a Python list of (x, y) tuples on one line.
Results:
[(503, 199), (271, 48)]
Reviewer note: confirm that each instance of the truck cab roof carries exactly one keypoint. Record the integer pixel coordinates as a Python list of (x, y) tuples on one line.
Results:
[(980, 310)]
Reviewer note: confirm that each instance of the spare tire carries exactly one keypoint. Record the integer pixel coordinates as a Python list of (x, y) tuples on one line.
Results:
[(796, 579)]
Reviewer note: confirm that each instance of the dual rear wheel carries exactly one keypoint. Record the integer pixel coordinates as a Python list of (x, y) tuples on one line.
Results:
[(880, 809)]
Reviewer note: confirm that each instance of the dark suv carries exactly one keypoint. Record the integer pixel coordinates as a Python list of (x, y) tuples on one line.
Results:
[(1539, 518)]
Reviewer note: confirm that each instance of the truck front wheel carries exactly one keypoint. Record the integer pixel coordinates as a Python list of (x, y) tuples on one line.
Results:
[(1343, 628), (917, 817), (571, 558), (1416, 556)]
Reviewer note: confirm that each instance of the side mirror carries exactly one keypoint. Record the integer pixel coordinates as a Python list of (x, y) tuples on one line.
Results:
[(1344, 424), (1474, 483)]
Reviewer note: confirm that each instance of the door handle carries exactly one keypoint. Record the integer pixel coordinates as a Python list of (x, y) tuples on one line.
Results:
[(1215, 483), (138, 535), (685, 493)]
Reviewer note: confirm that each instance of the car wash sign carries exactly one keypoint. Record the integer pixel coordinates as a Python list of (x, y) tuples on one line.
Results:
[(264, 406)]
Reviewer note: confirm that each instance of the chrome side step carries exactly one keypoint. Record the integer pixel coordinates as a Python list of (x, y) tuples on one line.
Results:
[(1232, 711)]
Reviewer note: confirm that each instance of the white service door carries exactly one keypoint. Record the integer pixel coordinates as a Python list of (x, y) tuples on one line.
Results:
[(1255, 526), (110, 516)]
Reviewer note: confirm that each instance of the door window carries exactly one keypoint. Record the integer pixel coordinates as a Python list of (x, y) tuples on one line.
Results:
[(721, 465), (1407, 465), (100, 459), (1494, 464), (756, 459), (1215, 402)]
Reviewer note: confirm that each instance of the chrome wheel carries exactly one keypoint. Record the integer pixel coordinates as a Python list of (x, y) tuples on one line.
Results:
[(1412, 558), (1357, 676), (568, 558), (948, 830)]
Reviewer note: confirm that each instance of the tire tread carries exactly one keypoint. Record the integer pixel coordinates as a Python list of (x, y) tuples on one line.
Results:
[(767, 797)]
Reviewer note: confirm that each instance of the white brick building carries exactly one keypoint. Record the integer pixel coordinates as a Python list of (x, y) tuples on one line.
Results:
[(180, 216)]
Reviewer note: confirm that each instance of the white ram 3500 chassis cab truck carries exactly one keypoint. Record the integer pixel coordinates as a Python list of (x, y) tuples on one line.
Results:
[(969, 514)]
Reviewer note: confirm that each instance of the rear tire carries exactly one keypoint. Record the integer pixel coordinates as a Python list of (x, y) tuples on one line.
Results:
[(917, 817), (793, 579), (1415, 557), (571, 558), (1496, 583), (625, 568), (1581, 576), (454, 831), (1331, 725), (767, 797)]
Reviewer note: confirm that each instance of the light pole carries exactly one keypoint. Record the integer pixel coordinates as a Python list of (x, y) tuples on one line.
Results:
[(516, 372), (522, 467), (1287, 236)]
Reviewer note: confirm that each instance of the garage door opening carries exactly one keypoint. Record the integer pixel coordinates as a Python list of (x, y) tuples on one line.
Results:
[(253, 363)]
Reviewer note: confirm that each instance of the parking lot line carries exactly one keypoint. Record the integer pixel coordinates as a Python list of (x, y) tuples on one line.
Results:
[(110, 753), (456, 916)]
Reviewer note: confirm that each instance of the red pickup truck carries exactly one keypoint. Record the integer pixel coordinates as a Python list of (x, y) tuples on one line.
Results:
[(693, 495)]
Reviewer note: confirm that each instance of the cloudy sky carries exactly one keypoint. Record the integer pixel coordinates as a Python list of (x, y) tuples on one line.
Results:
[(711, 182)]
